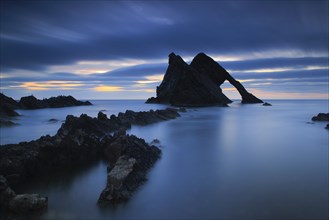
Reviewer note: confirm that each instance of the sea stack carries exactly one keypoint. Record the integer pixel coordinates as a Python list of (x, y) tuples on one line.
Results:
[(197, 84)]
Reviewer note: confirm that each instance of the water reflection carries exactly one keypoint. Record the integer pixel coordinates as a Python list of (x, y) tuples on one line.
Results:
[(242, 162)]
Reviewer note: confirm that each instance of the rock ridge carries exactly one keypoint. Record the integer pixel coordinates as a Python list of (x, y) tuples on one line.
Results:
[(82, 139)]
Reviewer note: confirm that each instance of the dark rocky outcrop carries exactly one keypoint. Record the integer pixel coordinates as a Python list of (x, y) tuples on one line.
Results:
[(197, 84), (31, 102), (267, 104), (130, 158), (21, 203), (184, 86), (7, 106), (207, 66), (327, 126), (321, 117), (82, 139)]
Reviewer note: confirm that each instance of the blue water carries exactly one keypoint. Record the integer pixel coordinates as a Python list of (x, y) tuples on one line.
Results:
[(241, 162)]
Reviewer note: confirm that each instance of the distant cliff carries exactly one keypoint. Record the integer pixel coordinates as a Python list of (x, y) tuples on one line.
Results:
[(197, 84), (8, 105), (30, 102)]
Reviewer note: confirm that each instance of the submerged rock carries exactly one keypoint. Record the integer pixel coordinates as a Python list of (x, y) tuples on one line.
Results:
[(321, 117), (327, 126), (197, 84), (267, 104)]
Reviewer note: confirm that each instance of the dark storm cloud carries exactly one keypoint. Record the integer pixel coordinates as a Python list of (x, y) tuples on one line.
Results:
[(37, 34)]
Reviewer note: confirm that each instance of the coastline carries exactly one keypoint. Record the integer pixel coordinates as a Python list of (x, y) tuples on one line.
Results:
[(88, 139)]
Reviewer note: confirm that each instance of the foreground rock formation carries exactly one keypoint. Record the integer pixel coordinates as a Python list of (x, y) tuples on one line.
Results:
[(197, 84), (30, 102), (21, 203), (130, 158), (82, 139)]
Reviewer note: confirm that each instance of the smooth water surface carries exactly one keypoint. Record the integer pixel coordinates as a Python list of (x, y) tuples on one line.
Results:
[(35, 123), (241, 162)]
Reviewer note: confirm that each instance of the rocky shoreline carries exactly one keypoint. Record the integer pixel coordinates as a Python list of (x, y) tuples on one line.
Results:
[(8, 105), (82, 139), (322, 117)]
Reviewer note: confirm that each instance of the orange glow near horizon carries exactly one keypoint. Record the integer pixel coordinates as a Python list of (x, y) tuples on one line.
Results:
[(49, 85), (108, 88)]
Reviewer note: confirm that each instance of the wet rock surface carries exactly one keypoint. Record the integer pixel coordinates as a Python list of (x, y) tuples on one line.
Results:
[(82, 139), (130, 158)]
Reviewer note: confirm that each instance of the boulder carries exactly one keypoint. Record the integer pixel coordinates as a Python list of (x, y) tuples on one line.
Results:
[(24, 203), (21, 203), (131, 158), (102, 116), (321, 117)]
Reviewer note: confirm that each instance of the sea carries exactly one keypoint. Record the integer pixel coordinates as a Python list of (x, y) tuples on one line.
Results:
[(245, 161)]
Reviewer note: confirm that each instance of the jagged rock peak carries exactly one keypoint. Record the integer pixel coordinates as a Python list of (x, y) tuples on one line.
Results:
[(197, 84), (175, 59)]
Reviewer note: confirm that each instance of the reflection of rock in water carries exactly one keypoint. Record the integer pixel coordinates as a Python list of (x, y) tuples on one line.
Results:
[(82, 139)]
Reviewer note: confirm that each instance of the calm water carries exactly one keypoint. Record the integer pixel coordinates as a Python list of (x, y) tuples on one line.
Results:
[(241, 162)]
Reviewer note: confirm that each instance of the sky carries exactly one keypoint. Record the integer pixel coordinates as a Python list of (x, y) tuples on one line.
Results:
[(119, 49)]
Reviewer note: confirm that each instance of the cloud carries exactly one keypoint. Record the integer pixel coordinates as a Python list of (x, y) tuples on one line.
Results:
[(104, 88), (123, 46), (34, 36)]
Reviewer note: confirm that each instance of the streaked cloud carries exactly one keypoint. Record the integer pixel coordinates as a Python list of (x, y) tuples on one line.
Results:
[(120, 48), (103, 88), (49, 85)]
